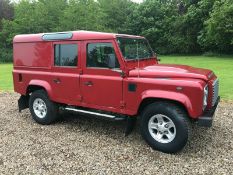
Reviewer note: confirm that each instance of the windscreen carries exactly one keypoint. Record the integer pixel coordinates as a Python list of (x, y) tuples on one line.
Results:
[(134, 48)]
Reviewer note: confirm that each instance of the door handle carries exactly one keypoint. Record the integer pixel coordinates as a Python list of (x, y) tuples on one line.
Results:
[(57, 80), (88, 83)]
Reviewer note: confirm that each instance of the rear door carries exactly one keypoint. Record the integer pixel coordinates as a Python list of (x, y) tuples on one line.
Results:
[(101, 86), (66, 71)]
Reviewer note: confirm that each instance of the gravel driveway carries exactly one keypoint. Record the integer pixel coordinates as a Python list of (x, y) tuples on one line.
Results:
[(83, 145)]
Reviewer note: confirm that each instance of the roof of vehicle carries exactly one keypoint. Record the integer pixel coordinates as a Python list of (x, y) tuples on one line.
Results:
[(72, 35)]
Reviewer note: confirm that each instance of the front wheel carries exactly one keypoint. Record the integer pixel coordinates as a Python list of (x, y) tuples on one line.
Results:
[(165, 127)]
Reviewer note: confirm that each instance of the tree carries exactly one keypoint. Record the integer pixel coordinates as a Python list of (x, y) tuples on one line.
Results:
[(6, 11), (186, 27), (115, 14), (55, 9), (217, 34), (81, 15), (153, 19)]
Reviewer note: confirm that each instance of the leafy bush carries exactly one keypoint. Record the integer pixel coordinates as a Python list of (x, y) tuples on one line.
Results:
[(217, 34), (6, 55)]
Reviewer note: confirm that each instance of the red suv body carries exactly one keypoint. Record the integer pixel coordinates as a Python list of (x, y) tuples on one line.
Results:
[(111, 75)]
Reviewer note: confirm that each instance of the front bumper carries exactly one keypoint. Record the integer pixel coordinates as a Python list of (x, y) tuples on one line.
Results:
[(206, 119)]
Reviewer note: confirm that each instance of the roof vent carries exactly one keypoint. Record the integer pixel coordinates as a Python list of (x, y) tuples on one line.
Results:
[(57, 36)]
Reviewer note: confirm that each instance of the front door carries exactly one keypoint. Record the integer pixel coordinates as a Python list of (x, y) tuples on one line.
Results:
[(101, 82)]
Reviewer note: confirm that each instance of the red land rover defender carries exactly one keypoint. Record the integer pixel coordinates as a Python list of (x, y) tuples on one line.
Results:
[(112, 76)]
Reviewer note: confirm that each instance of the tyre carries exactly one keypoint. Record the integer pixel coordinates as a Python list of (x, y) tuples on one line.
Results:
[(165, 127), (43, 110)]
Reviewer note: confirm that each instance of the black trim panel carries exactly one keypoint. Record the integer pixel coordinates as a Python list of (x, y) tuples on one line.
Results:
[(23, 102), (206, 119), (132, 87)]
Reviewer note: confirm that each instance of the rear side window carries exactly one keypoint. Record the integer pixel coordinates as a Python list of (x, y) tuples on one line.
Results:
[(101, 55), (66, 55)]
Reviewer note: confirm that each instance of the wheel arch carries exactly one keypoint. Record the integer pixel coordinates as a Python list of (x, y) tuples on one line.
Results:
[(178, 99), (39, 85), (150, 100)]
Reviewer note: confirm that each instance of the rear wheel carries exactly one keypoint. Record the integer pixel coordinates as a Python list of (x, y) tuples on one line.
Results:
[(42, 109), (165, 127)]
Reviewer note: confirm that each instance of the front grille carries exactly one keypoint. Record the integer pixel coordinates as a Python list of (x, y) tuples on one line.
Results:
[(215, 91)]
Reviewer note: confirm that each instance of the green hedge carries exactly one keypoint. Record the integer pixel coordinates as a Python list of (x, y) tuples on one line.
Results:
[(6, 55)]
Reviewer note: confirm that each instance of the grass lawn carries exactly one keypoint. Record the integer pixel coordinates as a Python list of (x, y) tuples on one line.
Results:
[(222, 66), (6, 82)]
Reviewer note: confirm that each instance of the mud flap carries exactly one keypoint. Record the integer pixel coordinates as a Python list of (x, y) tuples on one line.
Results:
[(131, 121), (23, 102)]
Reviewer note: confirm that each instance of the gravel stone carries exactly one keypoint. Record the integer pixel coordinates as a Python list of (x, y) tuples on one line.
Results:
[(86, 145)]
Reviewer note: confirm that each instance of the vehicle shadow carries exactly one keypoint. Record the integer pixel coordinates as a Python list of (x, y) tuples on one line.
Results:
[(200, 141), (91, 123)]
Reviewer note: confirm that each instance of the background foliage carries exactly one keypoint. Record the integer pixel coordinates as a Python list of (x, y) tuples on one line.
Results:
[(171, 26)]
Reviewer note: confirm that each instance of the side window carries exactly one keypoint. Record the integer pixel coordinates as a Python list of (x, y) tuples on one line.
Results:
[(101, 55), (66, 55)]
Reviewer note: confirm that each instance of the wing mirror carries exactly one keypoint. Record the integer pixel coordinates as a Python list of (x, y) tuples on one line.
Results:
[(156, 56)]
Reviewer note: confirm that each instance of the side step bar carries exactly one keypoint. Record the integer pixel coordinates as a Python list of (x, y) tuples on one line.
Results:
[(109, 116), (130, 121)]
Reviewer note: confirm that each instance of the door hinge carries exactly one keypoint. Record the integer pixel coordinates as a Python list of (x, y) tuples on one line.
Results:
[(81, 72), (80, 98), (122, 104)]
